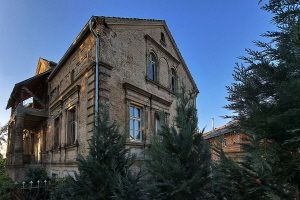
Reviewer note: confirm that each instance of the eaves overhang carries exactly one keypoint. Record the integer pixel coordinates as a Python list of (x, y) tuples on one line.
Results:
[(30, 83)]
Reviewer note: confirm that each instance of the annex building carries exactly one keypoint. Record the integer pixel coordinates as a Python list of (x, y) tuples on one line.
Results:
[(131, 64)]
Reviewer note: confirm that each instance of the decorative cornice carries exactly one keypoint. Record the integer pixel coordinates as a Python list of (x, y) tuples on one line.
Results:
[(146, 94), (70, 92), (148, 37), (64, 97), (159, 85), (102, 64), (56, 104)]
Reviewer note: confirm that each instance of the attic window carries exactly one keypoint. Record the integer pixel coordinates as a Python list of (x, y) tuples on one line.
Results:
[(162, 38), (224, 143), (72, 76)]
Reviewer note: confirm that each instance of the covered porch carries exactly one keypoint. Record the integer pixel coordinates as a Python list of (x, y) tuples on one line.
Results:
[(27, 126)]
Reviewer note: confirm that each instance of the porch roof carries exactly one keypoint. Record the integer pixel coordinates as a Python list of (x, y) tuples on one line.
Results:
[(32, 84)]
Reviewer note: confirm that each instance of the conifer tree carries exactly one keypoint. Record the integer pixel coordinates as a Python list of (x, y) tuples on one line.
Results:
[(3, 134), (180, 160), (105, 172), (266, 100)]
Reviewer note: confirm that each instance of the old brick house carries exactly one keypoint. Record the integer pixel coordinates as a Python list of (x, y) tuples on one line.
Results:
[(230, 138), (139, 71)]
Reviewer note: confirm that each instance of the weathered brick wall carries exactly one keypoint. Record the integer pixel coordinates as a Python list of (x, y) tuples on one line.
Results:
[(124, 51), (77, 93), (233, 146)]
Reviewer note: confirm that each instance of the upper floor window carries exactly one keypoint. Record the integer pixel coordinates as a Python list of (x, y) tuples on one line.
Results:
[(152, 67), (135, 123), (56, 132), (173, 80), (71, 129), (157, 123), (162, 38), (224, 143), (72, 76)]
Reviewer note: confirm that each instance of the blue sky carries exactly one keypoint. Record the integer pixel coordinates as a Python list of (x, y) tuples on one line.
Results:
[(210, 36)]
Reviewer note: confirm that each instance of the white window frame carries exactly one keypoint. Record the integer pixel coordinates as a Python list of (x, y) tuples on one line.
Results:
[(224, 143), (157, 123), (134, 120), (152, 67)]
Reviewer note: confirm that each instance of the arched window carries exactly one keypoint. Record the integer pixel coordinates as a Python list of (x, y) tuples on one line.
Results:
[(173, 80), (162, 37), (152, 67)]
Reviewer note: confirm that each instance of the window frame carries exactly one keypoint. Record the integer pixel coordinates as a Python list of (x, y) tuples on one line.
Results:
[(163, 38), (71, 132), (56, 135), (152, 67), (173, 80), (157, 123), (224, 143), (134, 120)]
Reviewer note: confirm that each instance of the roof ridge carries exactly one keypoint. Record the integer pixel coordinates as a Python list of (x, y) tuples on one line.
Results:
[(128, 18)]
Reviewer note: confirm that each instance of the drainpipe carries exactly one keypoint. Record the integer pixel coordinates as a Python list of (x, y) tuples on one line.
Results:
[(94, 18)]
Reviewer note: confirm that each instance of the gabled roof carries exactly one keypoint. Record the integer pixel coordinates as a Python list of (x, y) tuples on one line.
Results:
[(228, 128), (31, 83), (44, 65), (122, 20)]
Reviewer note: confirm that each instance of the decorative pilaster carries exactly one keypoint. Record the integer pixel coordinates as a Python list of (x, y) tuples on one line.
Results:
[(127, 118), (18, 158)]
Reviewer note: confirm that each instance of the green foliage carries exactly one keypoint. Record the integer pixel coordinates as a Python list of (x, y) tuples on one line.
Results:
[(266, 99), (250, 178), (6, 186), (3, 133), (180, 160), (35, 173), (2, 164), (105, 172)]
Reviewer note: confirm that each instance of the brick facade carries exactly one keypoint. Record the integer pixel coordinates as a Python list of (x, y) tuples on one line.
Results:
[(229, 138), (125, 48)]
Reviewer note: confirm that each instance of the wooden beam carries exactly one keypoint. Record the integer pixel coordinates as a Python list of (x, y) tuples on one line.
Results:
[(35, 97)]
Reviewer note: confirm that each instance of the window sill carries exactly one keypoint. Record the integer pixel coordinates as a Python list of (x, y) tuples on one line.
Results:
[(71, 146), (134, 143), (56, 149), (159, 85)]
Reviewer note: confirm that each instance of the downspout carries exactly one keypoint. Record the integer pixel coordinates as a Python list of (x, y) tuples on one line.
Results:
[(96, 68)]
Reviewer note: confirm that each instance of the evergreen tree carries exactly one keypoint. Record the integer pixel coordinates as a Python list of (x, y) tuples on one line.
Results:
[(3, 134), (180, 160), (266, 100), (105, 172)]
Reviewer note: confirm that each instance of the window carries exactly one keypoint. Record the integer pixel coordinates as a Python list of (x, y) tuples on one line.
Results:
[(162, 37), (71, 129), (56, 132), (173, 80), (135, 123), (224, 143), (152, 67), (157, 123), (72, 76)]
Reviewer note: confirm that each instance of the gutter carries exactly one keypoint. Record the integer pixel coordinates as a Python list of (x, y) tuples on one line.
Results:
[(91, 22)]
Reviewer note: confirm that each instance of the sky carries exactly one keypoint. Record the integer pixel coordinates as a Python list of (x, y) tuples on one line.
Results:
[(209, 34)]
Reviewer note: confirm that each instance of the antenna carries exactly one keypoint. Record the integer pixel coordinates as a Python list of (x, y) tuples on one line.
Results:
[(213, 123)]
